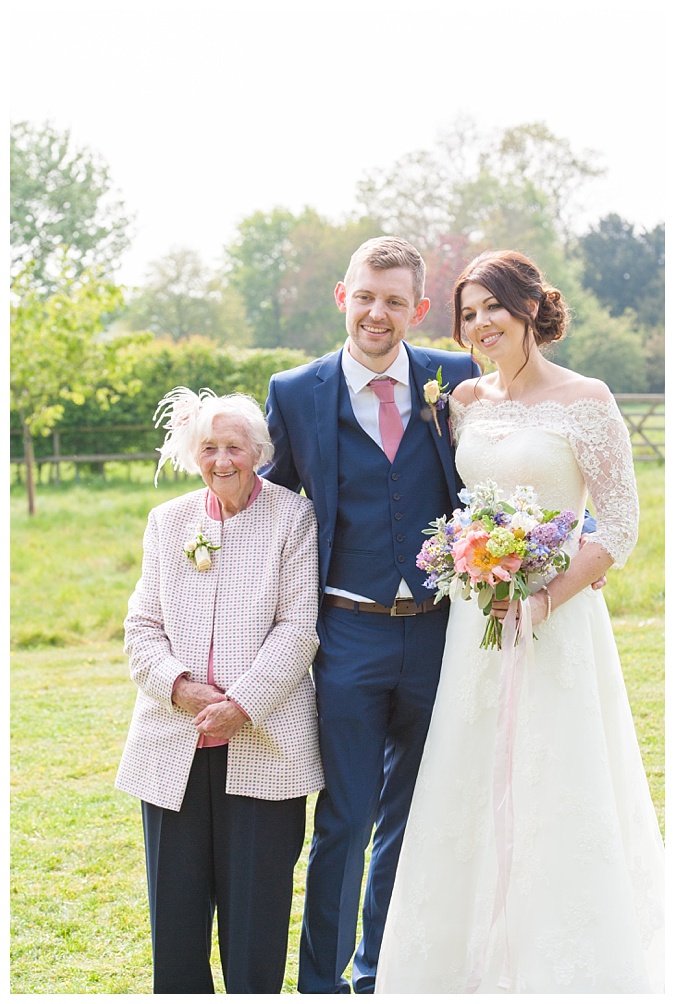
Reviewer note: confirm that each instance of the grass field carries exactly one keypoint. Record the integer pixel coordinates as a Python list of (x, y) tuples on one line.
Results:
[(78, 896)]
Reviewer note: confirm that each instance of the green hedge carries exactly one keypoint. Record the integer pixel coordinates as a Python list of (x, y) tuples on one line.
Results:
[(161, 365)]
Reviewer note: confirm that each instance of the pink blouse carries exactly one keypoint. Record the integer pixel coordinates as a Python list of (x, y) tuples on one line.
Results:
[(213, 510)]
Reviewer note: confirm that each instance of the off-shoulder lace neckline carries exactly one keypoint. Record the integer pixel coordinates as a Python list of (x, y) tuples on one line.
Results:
[(521, 405)]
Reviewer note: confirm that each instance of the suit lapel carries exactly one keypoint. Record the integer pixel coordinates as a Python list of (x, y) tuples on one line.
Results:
[(423, 369), (326, 405)]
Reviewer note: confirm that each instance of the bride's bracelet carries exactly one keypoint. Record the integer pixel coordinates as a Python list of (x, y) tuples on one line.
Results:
[(548, 602)]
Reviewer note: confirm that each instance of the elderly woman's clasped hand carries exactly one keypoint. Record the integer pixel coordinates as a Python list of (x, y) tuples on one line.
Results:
[(195, 697), (221, 720), (214, 714)]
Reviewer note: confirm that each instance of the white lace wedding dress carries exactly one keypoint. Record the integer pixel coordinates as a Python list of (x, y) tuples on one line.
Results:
[(584, 895)]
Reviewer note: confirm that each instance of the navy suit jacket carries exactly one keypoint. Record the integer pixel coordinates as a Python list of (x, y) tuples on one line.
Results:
[(302, 414)]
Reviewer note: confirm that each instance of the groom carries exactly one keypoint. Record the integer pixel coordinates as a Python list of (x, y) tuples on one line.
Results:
[(377, 471)]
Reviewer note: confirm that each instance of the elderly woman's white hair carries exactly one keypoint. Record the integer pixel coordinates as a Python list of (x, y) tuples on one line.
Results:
[(188, 417)]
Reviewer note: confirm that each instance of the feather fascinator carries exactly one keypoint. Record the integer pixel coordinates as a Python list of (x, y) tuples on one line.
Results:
[(178, 413)]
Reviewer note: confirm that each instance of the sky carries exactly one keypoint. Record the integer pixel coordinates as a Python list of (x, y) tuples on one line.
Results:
[(206, 113)]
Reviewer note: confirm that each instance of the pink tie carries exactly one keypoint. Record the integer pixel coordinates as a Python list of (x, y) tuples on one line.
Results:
[(391, 426)]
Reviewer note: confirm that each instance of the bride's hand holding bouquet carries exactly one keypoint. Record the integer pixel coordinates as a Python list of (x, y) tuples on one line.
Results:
[(494, 549)]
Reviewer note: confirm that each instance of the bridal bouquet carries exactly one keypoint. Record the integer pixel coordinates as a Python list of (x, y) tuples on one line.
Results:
[(493, 548)]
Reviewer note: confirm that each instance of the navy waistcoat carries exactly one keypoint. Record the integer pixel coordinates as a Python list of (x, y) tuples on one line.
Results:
[(383, 507)]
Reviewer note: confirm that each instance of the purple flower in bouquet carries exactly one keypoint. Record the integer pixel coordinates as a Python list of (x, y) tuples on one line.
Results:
[(491, 548)]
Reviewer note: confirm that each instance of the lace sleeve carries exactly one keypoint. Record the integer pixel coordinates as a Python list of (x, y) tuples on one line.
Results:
[(601, 444)]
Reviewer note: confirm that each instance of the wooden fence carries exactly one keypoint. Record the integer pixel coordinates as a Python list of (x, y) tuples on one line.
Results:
[(644, 415)]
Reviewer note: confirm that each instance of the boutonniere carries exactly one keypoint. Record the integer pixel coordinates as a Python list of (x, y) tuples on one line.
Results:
[(436, 396), (197, 550)]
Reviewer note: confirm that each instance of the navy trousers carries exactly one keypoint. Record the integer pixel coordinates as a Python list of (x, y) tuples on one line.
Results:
[(376, 678), (229, 854)]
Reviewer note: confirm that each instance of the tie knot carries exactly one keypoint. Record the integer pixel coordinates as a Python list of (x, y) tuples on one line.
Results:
[(384, 388)]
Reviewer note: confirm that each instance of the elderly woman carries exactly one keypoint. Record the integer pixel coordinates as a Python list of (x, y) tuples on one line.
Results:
[(222, 748)]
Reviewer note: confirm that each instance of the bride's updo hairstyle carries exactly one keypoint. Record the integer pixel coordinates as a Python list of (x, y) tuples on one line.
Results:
[(516, 283)]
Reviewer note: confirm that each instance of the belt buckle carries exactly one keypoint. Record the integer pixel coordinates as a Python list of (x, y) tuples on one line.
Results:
[(394, 612)]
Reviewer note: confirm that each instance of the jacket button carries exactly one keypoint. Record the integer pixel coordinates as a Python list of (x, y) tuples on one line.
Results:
[(398, 515), (401, 558), (399, 537), (396, 496), (395, 477)]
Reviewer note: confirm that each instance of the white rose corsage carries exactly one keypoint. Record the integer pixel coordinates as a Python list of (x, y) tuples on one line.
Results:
[(436, 396), (197, 550)]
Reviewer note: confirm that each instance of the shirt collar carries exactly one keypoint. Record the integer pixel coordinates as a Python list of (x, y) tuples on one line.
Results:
[(213, 505), (358, 376)]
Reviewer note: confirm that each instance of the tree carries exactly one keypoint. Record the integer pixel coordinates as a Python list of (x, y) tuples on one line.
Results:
[(61, 198), (492, 212), (655, 355), (58, 353), (257, 266), (413, 199), (606, 347), (183, 297), (285, 267), (651, 305), (512, 188), (231, 325), (444, 264), (625, 269), (532, 154), (321, 252)]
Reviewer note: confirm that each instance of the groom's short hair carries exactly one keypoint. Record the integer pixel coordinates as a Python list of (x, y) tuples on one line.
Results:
[(390, 252)]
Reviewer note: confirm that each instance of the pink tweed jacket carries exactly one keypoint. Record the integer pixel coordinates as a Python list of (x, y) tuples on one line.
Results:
[(258, 602)]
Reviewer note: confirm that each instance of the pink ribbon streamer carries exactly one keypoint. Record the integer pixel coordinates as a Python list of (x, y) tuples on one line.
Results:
[(516, 629)]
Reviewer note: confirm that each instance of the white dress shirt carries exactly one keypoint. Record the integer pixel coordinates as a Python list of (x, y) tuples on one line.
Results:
[(365, 402)]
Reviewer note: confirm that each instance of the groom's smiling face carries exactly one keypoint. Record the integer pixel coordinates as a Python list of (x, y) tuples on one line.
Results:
[(379, 304)]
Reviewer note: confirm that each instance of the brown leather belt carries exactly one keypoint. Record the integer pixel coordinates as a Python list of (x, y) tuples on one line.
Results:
[(401, 608)]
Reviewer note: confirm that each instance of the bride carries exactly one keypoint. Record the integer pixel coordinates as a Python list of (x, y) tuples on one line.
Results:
[(567, 895)]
